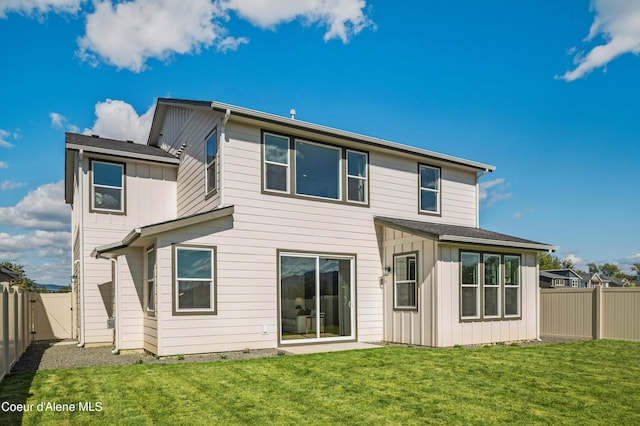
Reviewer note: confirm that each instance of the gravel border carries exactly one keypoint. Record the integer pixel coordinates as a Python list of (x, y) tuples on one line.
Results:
[(46, 355)]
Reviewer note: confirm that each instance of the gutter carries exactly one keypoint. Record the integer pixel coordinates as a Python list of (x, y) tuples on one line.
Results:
[(485, 241), (81, 231)]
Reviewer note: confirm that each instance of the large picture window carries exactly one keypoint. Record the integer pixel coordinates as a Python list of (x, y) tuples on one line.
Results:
[(194, 271), (302, 168), (429, 196), (212, 153), (107, 186), (406, 288), (489, 286)]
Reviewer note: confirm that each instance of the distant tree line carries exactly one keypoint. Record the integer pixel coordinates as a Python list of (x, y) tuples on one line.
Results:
[(548, 261), (27, 283)]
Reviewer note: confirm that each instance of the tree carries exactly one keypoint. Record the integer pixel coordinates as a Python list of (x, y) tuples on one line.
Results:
[(27, 282), (610, 270), (636, 268), (548, 261), (593, 267)]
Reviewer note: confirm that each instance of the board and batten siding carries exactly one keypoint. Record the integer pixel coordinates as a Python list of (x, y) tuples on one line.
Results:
[(452, 331), (146, 185), (413, 327)]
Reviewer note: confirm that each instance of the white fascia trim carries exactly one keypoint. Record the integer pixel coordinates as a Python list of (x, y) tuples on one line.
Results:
[(124, 154), (488, 242)]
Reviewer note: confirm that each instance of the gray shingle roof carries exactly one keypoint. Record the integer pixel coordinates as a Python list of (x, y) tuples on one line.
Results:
[(116, 147), (460, 234)]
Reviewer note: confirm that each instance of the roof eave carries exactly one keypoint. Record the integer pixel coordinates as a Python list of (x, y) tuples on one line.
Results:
[(123, 154), (500, 243)]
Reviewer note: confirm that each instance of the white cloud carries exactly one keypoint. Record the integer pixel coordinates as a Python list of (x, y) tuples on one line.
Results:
[(575, 259), (43, 209), (118, 120), (343, 18), (57, 120), (3, 164), (618, 22), (492, 191), (127, 34), (3, 136), (8, 185), (38, 7)]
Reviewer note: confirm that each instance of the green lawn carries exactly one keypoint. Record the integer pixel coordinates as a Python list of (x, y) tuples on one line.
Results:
[(592, 382)]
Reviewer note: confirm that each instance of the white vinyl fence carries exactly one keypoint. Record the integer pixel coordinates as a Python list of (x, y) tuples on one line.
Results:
[(15, 330)]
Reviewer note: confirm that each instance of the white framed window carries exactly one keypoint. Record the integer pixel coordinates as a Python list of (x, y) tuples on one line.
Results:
[(511, 286), (490, 281), (194, 280), (492, 285), (107, 186), (429, 193), (211, 156), (405, 281), (357, 187), (151, 280), (470, 286), (318, 170), (276, 163)]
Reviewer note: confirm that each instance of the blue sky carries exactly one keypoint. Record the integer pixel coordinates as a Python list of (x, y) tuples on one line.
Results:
[(547, 91)]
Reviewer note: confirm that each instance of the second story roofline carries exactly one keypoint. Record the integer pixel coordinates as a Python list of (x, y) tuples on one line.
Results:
[(249, 114)]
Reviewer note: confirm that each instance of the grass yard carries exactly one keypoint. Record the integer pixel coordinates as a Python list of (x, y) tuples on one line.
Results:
[(592, 382)]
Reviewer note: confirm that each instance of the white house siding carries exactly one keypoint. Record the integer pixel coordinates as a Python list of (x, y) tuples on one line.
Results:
[(451, 331), (402, 326), (130, 299), (150, 197), (175, 120)]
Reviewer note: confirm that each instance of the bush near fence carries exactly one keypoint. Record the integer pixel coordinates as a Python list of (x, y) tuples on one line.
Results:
[(597, 313)]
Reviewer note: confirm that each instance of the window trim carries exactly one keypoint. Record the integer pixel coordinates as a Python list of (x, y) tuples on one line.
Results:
[(478, 286), (123, 198), (150, 296), (264, 163), (397, 307), (348, 176), (291, 191), (481, 286), (438, 191), (213, 310), (213, 165)]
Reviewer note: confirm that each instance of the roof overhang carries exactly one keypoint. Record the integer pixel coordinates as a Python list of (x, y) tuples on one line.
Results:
[(461, 235), (140, 236), (253, 115)]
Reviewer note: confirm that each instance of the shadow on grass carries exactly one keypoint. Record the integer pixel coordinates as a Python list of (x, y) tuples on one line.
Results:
[(15, 389)]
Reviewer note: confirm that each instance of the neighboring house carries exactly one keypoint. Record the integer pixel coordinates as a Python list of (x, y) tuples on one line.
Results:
[(233, 228), (9, 276), (565, 278)]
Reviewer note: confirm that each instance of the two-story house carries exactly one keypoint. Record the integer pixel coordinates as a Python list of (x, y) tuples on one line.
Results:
[(233, 228)]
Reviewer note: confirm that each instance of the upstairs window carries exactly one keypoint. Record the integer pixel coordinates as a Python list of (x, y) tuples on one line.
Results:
[(357, 176), (107, 186), (276, 163), (317, 170), (406, 288), (212, 153), (429, 196), (307, 169)]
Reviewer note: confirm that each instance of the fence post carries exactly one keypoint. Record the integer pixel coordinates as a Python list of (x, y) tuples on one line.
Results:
[(597, 312), (5, 327)]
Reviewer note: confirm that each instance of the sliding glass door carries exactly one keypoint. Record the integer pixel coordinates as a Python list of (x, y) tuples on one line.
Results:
[(316, 297)]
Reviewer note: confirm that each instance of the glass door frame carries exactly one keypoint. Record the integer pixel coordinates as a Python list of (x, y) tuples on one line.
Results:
[(352, 296)]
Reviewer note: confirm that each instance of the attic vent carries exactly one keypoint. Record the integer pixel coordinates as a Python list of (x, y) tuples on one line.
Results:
[(292, 113)]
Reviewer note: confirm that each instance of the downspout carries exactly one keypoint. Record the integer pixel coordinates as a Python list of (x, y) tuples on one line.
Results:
[(478, 177), (116, 289), (81, 248), (222, 141)]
